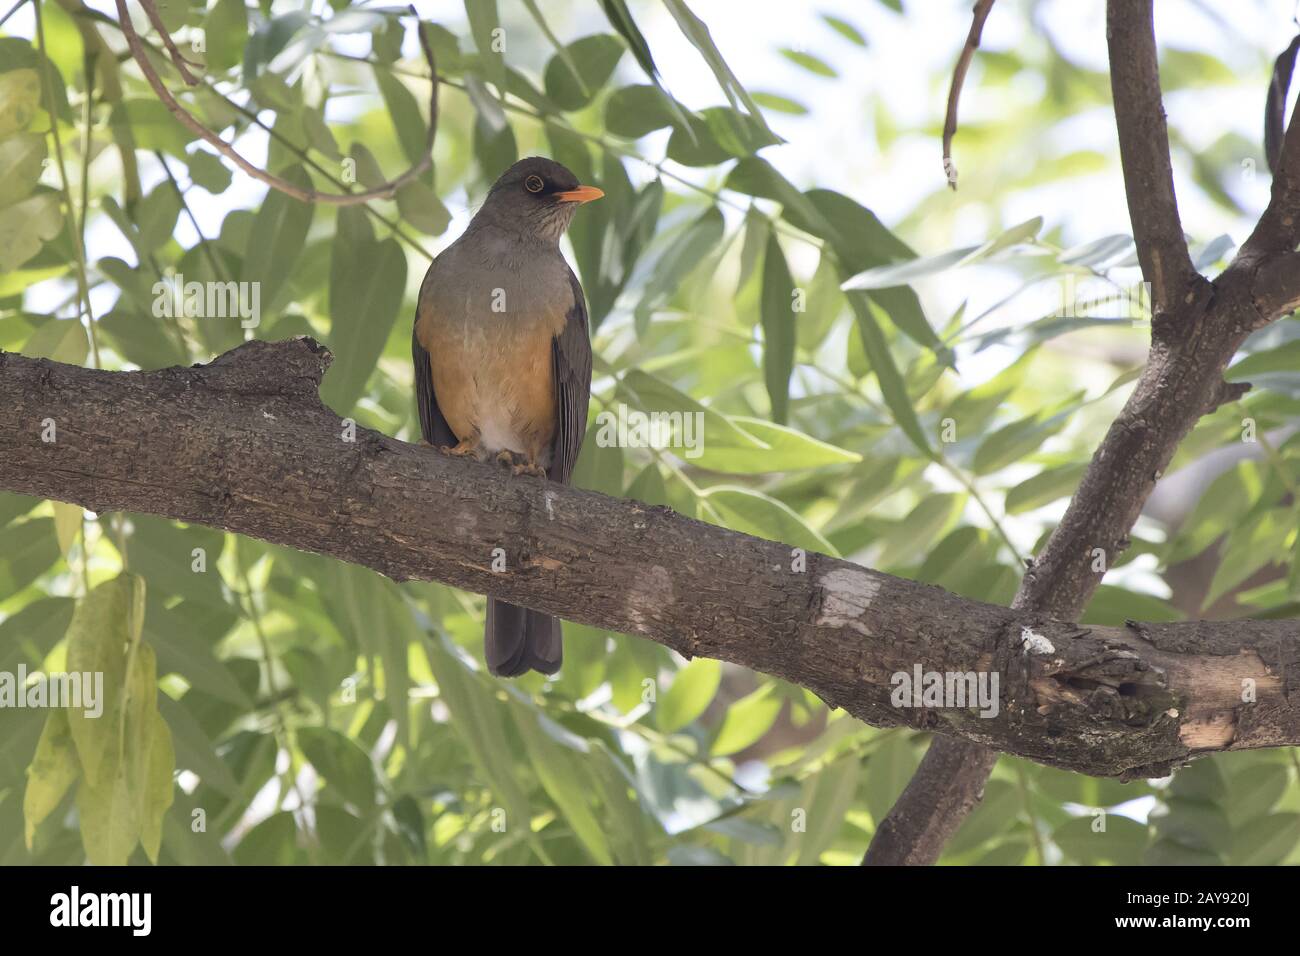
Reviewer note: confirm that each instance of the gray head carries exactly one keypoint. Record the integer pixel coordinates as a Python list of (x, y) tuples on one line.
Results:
[(536, 197)]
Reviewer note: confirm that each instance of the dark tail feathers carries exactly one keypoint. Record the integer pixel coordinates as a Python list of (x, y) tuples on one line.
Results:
[(517, 640)]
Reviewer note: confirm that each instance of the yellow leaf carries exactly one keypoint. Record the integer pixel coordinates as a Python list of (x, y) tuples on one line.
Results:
[(67, 524), (20, 96), (97, 642), (52, 771), (160, 793), (110, 818)]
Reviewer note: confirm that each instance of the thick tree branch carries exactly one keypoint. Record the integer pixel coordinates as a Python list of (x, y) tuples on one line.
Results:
[(244, 444), (947, 786), (1196, 330)]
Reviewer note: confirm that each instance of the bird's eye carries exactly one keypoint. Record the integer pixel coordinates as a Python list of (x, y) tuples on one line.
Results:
[(534, 184)]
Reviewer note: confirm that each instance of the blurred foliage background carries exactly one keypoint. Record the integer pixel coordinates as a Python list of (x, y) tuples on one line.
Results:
[(930, 421)]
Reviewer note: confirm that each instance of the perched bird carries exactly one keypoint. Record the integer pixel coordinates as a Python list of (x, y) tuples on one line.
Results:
[(503, 361)]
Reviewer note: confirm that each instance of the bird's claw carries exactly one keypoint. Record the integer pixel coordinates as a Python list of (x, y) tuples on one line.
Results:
[(465, 449), (528, 468)]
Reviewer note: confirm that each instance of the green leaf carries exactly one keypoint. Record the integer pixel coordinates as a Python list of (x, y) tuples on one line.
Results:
[(761, 447), (164, 554), (716, 134), (494, 149), (1121, 843), (276, 239), (683, 258), (367, 281), (1112, 606), (634, 111), (780, 104), (21, 159), (26, 552), (563, 780), (273, 842), (194, 751), (652, 395), (63, 340), (25, 226), (691, 691), (827, 796), (1043, 488), (813, 64), (53, 771), (399, 102), (343, 764), (594, 57), (1257, 542), (585, 659), (486, 28), (891, 382), (620, 18), (909, 270), (995, 815), (1011, 443), (292, 34), (778, 317), (420, 206), (753, 512), (1193, 823), (697, 32), (15, 506), (1284, 358), (600, 464), (225, 33), (845, 29), (889, 768), (859, 238), (1266, 841), (747, 720), (755, 176), (478, 721), (149, 125), (156, 216), (27, 636), (181, 652)]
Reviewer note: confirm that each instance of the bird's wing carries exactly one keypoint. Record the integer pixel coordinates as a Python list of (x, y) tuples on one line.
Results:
[(571, 362), (433, 426)]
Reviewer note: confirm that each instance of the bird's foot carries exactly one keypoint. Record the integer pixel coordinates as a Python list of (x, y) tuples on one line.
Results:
[(468, 448), (528, 467), (506, 458)]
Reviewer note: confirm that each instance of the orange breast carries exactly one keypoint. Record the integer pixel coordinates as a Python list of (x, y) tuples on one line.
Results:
[(493, 379)]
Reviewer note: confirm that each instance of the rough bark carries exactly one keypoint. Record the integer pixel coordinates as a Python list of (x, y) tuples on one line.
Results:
[(244, 444), (1197, 327)]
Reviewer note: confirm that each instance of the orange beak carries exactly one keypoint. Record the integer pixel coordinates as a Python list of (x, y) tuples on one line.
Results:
[(581, 194)]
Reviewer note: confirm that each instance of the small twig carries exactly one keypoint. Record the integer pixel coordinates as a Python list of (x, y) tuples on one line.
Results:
[(76, 233), (187, 119), (982, 8), (182, 64)]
